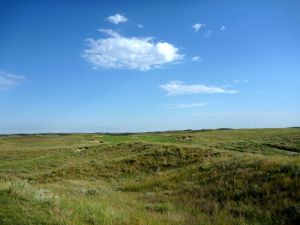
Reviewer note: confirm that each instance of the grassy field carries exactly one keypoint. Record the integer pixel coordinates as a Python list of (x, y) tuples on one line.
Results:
[(183, 177)]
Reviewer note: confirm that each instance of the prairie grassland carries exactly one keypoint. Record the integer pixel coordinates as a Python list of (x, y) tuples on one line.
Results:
[(183, 177)]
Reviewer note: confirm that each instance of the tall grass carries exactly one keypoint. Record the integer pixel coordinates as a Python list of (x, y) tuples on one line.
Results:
[(205, 177)]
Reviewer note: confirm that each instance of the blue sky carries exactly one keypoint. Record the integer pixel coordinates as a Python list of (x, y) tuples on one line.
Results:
[(72, 66)]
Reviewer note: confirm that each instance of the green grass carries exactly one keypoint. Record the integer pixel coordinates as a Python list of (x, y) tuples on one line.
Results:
[(180, 177)]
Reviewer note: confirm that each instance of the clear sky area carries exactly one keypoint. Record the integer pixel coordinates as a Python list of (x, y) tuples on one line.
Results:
[(126, 66)]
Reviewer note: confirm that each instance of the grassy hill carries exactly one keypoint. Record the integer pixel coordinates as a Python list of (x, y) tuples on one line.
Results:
[(181, 177)]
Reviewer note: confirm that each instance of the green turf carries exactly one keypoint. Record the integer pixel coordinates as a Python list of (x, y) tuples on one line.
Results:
[(180, 177)]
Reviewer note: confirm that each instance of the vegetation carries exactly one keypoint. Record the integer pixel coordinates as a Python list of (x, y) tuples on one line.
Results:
[(182, 177)]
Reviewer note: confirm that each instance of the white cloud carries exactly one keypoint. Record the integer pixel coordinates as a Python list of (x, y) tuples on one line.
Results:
[(174, 88), (133, 53), (8, 80), (197, 26), (223, 28), (185, 106), (140, 25), (118, 18), (196, 59)]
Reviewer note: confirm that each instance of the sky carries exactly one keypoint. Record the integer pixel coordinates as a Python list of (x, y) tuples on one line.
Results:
[(131, 66)]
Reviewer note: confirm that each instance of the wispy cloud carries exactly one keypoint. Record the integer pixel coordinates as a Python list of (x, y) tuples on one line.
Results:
[(186, 106), (196, 59), (175, 88), (110, 32), (207, 34), (240, 81), (116, 19), (140, 25), (133, 53), (223, 28), (197, 26), (8, 80)]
